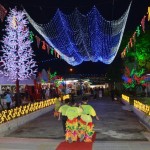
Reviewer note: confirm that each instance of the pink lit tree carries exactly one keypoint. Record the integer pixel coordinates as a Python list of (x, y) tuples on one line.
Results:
[(17, 60)]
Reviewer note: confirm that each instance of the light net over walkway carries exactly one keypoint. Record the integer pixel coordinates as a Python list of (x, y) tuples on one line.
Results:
[(77, 37)]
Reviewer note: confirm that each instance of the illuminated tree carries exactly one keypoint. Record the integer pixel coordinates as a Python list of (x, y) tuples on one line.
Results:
[(140, 52), (134, 78), (17, 60), (143, 50), (137, 62)]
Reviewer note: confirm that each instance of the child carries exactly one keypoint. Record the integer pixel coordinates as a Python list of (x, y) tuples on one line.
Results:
[(62, 112), (72, 114), (57, 106), (85, 129)]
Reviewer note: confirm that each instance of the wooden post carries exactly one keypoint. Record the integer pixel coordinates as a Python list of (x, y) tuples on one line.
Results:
[(17, 97)]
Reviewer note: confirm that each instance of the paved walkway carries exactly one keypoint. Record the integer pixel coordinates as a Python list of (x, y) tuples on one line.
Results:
[(50, 144), (117, 130)]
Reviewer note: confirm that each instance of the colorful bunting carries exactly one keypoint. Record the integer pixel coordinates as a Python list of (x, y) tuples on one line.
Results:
[(45, 46), (136, 34)]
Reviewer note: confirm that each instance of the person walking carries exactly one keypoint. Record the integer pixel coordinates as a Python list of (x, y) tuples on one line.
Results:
[(85, 129), (47, 93), (72, 114), (1, 103), (62, 114), (100, 93), (43, 93), (8, 99), (72, 95), (57, 106), (112, 94)]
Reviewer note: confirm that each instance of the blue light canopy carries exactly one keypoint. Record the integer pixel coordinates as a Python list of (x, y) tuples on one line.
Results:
[(77, 37)]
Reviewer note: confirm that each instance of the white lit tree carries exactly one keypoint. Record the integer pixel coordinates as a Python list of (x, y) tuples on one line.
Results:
[(17, 59)]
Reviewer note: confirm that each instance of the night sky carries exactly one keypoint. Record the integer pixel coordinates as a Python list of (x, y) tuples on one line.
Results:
[(43, 10)]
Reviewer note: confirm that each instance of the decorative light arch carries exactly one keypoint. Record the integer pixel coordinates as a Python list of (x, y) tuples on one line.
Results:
[(77, 37)]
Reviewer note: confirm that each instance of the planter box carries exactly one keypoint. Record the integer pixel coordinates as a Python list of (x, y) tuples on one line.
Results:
[(140, 114), (7, 127), (127, 106)]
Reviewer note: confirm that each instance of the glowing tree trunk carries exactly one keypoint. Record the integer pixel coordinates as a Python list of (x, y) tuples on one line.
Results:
[(17, 60)]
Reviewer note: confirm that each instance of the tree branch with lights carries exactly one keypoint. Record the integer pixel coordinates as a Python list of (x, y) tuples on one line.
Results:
[(17, 60)]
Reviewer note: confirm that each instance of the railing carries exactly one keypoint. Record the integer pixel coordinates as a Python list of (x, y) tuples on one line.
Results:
[(7, 115)]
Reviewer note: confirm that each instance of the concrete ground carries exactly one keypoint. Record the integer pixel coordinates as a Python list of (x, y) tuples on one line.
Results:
[(117, 130)]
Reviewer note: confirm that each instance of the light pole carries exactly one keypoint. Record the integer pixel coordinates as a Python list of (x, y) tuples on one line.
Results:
[(70, 70)]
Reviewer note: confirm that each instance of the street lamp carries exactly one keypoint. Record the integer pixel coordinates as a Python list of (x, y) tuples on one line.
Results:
[(70, 69)]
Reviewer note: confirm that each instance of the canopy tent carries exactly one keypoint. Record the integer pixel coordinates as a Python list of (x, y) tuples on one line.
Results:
[(77, 37)]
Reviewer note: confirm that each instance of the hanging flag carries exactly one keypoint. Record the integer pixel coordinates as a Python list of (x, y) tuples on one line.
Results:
[(143, 23), (48, 49), (55, 53), (131, 44), (44, 45), (38, 40), (138, 31), (31, 36), (128, 45), (3, 12), (52, 51), (123, 54), (134, 37), (148, 13), (127, 48)]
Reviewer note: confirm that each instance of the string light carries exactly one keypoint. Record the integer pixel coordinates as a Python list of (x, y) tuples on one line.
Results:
[(7, 115), (143, 107), (77, 37), (17, 52)]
